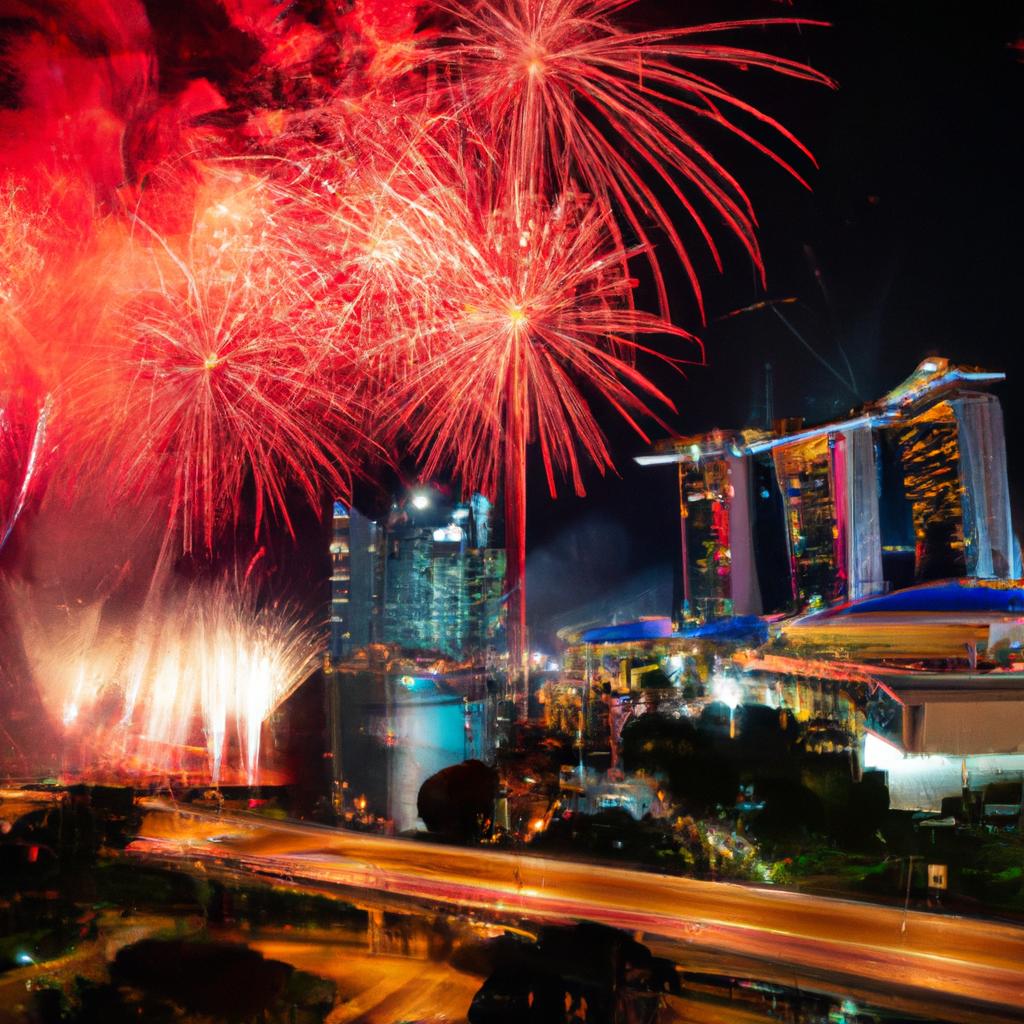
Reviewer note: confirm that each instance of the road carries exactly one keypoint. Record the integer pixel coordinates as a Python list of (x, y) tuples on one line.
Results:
[(371, 988), (375, 989), (977, 965)]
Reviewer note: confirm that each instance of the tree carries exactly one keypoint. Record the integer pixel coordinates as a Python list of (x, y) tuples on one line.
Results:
[(457, 801)]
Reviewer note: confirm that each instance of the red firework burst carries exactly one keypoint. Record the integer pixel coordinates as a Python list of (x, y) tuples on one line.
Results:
[(533, 304), (217, 376), (575, 100)]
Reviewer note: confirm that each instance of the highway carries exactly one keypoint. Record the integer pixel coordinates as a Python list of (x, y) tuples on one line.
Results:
[(371, 988), (938, 959)]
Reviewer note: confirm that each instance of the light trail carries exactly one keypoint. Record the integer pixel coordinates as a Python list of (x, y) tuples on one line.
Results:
[(971, 964)]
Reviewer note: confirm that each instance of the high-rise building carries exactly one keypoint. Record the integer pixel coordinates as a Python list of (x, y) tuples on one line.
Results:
[(427, 579), (910, 488), (355, 581)]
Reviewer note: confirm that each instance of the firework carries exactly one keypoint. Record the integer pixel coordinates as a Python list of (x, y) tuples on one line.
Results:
[(216, 377), (575, 101), (43, 246), (373, 228), (533, 305), (204, 666)]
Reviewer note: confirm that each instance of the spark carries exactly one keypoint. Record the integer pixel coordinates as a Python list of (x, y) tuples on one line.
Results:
[(575, 100), (189, 666)]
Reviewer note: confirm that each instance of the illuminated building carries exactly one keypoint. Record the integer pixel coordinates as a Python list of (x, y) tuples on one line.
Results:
[(925, 684), (417, 616), (428, 579), (910, 488), (731, 528), (937, 674), (442, 581), (901, 635), (355, 581)]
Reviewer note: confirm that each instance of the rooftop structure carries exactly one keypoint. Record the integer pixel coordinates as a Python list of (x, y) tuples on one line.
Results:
[(907, 489)]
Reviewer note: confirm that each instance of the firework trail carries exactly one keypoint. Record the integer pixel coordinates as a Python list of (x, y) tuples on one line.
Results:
[(577, 102), (20, 461), (234, 262)]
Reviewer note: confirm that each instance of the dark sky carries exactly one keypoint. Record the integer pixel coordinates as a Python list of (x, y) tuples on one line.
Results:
[(908, 246)]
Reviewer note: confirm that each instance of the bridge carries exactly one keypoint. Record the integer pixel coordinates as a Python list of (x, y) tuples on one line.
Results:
[(960, 969)]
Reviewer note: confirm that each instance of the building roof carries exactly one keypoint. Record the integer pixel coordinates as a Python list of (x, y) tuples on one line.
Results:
[(943, 620), (645, 629), (933, 381), (739, 628), (941, 597)]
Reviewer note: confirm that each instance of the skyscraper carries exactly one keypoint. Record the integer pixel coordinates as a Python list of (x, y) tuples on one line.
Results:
[(355, 580), (909, 488), (429, 578)]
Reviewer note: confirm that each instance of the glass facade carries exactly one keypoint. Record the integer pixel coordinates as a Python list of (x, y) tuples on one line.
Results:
[(427, 579)]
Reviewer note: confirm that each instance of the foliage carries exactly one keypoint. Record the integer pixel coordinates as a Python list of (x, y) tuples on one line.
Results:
[(459, 801)]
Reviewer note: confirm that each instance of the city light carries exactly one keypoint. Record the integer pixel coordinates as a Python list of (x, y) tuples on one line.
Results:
[(450, 534), (310, 297), (726, 690)]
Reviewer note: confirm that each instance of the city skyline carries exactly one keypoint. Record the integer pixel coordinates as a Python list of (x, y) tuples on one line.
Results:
[(510, 512)]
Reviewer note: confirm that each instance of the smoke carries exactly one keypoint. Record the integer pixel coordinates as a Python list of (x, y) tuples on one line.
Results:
[(586, 575)]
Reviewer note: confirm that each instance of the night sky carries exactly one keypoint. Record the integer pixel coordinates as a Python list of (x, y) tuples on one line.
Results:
[(908, 246)]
